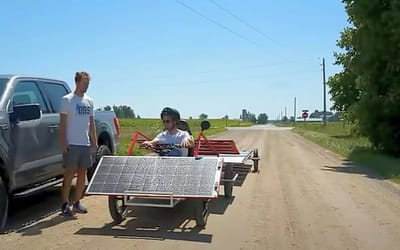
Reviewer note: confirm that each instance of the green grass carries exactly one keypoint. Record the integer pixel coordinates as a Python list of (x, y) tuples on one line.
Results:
[(339, 139), (151, 127)]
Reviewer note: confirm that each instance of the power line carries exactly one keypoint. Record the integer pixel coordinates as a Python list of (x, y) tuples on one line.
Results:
[(216, 23), (243, 21)]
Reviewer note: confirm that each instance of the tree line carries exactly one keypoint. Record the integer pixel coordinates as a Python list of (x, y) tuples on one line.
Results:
[(367, 90), (124, 111)]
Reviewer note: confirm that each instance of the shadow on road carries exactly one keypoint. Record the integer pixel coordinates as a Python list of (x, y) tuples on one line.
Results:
[(161, 223), (27, 211), (349, 168)]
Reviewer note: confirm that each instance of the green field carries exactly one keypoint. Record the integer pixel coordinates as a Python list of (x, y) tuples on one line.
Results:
[(340, 139), (151, 127)]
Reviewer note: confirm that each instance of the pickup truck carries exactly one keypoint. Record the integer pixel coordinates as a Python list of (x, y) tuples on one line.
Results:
[(30, 152)]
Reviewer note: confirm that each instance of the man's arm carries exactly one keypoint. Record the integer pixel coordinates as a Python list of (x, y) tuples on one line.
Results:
[(92, 133), (92, 128), (63, 124), (151, 143), (63, 132)]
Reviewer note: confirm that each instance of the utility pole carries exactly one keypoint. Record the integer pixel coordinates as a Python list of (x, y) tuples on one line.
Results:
[(294, 111), (286, 112), (324, 83)]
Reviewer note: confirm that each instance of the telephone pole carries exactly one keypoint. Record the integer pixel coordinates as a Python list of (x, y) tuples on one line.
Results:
[(286, 112), (324, 83), (294, 110)]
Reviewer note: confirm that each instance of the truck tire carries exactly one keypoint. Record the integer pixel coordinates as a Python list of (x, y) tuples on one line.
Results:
[(4, 201), (101, 151)]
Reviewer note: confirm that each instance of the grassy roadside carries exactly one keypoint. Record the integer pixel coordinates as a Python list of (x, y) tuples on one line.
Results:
[(151, 127), (339, 139)]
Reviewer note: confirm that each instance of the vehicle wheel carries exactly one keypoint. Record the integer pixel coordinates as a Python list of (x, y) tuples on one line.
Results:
[(4, 201), (101, 151), (118, 209), (228, 189), (201, 212), (255, 160)]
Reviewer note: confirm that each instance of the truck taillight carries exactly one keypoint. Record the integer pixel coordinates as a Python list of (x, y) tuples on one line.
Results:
[(116, 124)]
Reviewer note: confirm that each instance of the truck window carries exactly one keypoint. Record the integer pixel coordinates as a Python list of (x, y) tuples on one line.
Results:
[(54, 92), (27, 92)]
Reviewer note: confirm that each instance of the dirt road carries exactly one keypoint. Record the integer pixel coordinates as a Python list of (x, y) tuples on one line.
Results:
[(304, 198)]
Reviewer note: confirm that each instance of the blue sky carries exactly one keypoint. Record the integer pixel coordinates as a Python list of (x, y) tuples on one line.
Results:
[(151, 54)]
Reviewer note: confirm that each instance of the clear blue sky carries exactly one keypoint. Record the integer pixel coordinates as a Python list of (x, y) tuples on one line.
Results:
[(151, 54)]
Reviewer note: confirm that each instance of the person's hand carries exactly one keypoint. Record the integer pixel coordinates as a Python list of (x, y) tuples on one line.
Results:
[(94, 147), (65, 148), (185, 143), (146, 144)]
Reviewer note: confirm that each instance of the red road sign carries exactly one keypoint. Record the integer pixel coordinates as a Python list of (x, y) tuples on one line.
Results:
[(304, 115)]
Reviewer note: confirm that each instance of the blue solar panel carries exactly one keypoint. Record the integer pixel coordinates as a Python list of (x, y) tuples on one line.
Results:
[(179, 176)]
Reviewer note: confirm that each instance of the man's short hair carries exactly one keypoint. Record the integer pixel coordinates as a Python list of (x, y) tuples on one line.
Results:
[(81, 75)]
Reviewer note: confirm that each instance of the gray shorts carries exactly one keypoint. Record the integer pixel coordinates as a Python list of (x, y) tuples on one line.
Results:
[(78, 156)]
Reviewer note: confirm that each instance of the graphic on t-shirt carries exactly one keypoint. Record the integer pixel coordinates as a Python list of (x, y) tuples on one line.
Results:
[(82, 109)]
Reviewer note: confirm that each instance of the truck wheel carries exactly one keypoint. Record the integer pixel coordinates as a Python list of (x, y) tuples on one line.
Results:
[(3, 204), (228, 189), (101, 151), (201, 212), (118, 209)]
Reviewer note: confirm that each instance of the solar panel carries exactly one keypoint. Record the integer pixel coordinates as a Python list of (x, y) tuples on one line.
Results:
[(179, 176)]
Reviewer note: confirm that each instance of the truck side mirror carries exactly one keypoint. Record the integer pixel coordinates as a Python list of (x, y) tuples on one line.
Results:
[(205, 125), (26, 112)]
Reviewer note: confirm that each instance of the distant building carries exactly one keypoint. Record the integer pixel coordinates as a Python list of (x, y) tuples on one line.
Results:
[(245, 115)]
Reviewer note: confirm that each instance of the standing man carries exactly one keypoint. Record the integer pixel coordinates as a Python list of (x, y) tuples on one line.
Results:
[(78, 141)]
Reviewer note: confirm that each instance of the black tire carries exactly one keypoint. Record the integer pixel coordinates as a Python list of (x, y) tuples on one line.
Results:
[(4, 202), (228, 189), (101, 151), (117, 208), (201, 212)]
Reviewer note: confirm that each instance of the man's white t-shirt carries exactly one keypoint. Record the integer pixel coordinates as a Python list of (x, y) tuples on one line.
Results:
[(166, 138), (78, 110)]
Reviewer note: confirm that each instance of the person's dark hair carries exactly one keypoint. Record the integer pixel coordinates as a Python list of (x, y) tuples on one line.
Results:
[(80, 75), (173, 113)]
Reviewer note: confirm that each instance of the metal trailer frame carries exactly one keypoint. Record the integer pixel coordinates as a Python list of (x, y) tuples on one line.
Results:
[(158, 199), (224, 149)]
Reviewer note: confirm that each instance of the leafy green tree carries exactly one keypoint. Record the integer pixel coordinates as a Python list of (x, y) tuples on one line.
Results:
[(252, 117), (124, 111), (368, 86), (262, 118), (107, 108), (344, 91), (203, 116)]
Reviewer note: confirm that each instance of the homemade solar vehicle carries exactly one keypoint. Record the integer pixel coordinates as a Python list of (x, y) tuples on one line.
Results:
[(160, 181)]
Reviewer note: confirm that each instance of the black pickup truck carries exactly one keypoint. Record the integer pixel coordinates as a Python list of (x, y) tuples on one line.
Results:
[(30, 153)]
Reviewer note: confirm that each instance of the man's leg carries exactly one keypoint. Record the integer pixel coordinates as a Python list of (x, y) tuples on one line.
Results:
[(85, 161), (80, 183), (70, 163), (66, 186)]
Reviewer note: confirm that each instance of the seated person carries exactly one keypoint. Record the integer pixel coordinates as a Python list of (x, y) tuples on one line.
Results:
[(171, 134)]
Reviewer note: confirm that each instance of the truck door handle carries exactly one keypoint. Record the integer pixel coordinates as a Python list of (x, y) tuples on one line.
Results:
[(52, 128)]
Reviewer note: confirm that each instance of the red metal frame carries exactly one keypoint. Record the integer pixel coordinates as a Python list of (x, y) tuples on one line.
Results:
[(134, 139), (204, 146)]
